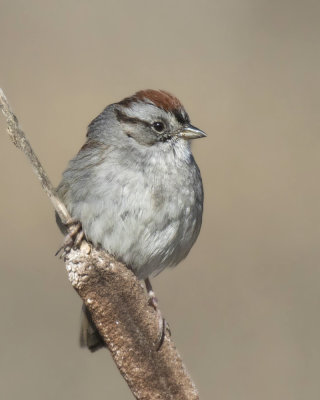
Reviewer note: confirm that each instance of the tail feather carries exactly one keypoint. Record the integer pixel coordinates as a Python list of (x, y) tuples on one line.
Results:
[(89, 335)]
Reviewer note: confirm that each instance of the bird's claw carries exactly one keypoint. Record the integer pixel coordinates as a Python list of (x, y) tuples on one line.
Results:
[(163, 325), (72, 239)]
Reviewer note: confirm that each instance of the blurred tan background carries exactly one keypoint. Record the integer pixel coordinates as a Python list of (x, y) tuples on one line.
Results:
[(244, 307)]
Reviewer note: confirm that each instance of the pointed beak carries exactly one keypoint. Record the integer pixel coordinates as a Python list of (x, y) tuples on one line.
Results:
[(191, 132)]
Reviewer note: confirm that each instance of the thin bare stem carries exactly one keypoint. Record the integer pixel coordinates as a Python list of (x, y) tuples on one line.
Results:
[(20, 140)]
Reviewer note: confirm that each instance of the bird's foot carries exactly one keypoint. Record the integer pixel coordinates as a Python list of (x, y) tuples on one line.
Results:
[(73, 238), (163, 325)]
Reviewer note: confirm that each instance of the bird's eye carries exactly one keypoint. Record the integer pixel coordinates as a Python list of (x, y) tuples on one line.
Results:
[(158, 126)]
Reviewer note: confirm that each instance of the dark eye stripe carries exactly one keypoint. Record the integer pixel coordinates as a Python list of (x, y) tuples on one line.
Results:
[(122, 117)]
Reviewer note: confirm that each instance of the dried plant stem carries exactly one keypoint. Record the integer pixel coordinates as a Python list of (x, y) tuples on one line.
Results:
[(118, 304), (19, 139)]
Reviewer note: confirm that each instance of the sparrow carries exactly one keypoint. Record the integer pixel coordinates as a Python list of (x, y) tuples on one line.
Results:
[(135, 187)]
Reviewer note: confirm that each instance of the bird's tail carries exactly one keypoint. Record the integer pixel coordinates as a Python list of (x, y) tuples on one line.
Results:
[(89, 335)]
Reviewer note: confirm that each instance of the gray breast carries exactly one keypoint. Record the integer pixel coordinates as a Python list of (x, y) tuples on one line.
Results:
[(146, 211)]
